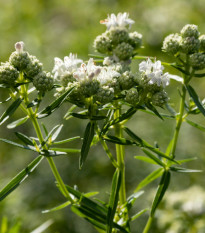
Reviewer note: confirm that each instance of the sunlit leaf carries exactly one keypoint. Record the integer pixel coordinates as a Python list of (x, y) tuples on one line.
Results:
[(17, 123), (183, 170), (145, 159), (200, 127), (137, 215)]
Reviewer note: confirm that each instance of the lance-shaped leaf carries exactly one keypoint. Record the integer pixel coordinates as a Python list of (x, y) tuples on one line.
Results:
[(199, 75), (154, 158), (145, 144), (17, 180), (6, 100), (131, 199), (51, 153), (145, 159), (127, 115), (66, 140), (200, 127), (59, 207), (87, 140), (183, 170), (164, 183), (151, 177), (56, 104), (67, 150), (137, 215), (25, 139), (118, 140), (11, 109), (116, 182), (154, 110), (27, 147), (196, 99), (16, 123)]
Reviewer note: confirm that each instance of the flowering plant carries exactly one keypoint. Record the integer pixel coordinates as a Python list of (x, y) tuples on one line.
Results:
[(106, 93)]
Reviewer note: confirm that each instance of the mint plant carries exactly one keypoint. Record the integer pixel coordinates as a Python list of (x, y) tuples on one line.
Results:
[(105, 92)]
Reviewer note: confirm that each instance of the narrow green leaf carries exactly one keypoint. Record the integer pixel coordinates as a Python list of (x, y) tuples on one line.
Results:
[(186, 160), (27, 147), (51, 153), (200, 127), (45, 129), (80, 116), (137, 215), (25, 139), (196, 99), (199, 75), (116, 182), (49, 135), (145, 159), (118, 140), (11, 109), (183, 170), (34, 103), (59, 207), (43, 227), (67, 150), (56, 104), (18, 179), (87, 140), (4, 101), (151, 177), (164, 183), (57, 132), (66, 140), (131, 199), (154, 110), (158, 161), (14, 124)]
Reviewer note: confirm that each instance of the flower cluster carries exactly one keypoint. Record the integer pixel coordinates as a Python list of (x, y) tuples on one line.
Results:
[(187, 42), (21, 61), (117, 42), (153, 81)]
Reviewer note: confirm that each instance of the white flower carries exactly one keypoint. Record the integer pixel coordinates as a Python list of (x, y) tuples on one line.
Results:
[(19, 46), (106, 75), (66, 67), (121, 20), (154, 72), (87, 71)]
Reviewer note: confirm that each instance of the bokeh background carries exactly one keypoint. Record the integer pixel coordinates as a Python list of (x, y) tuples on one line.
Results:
[(54, 28)]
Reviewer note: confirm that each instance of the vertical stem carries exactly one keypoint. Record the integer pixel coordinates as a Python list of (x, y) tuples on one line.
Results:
[(148, 225), (120, 152), (179, 120)]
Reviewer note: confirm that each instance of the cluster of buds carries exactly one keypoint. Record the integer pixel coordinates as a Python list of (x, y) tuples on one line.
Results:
[(117, 42), (187, 42), (21, 61)]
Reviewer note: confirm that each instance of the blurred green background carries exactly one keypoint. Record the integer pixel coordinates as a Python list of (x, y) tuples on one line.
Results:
[(54, 28)]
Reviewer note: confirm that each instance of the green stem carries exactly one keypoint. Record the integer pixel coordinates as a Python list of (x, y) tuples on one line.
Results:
[(120, 152), (148, 225), (179, 120)]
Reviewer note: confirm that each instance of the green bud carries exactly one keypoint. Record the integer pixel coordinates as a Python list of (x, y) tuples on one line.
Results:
[(132, 96), (171, 44), (104, 95), (117, 36), (159, 98), (189, 45), (103, 44), (202, 43), (89, 87), (135, 40), (19, 60), (190, 30), (197, 61), (43, 81), (127, 80), (123, 51), (75, 96), (65, 79), (8, 74), (33, 68), (115, 84)]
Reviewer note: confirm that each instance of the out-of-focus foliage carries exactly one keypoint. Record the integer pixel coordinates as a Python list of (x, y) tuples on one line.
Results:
[(53, 28)]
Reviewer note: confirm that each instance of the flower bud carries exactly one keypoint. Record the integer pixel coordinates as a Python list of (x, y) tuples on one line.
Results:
[(43, 81), (8, 74), (33, 68), (19, 60), (189, 45), (202, 43), (89, 87), (103, 44), (171, 44), (132, 96), (117, 36), (75, 96), (126, 80), (123, 51), (190, 30), (135, 40), (104, 95), (197, 61), (159, 98)]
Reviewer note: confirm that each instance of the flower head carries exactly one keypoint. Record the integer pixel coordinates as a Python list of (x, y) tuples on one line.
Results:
[(154, 72), (66, 67), (88, 71), (121, 20), (107, 74)]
